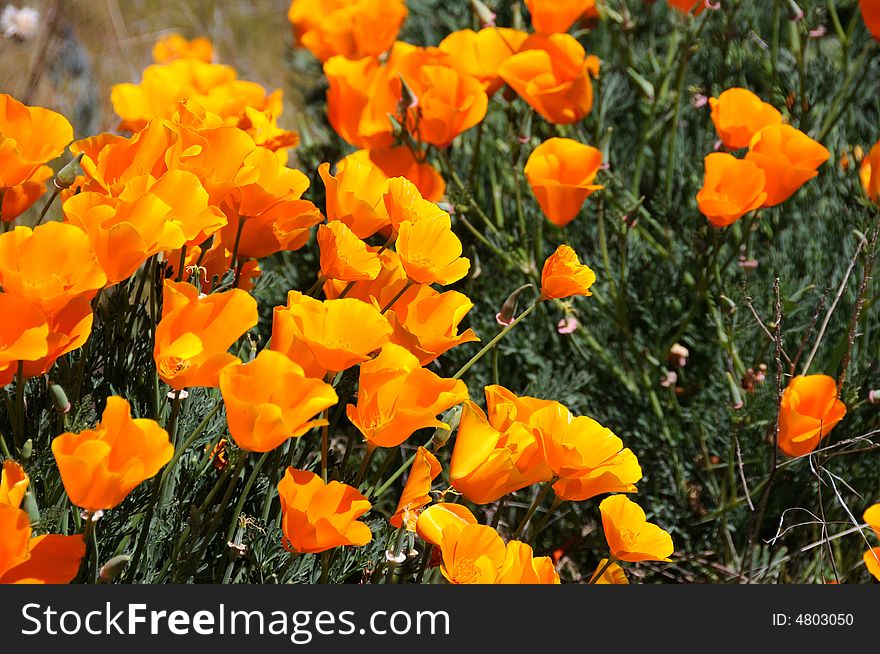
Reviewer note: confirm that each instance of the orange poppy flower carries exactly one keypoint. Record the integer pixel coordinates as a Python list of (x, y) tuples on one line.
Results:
[(403, 201), (13, 484), (789, 159), (100, 467), (481, 53), (317, 517), (587, 458), (731, 188), (438, 518), (551, 72), (344, 256), (739, 114), (264, 208), (387, 285), (175, 46), (430, 252), (613, 574), (872, 517), (196, 332), (69, 329), (521, 566), (417, 490), (561, 173), (564, 275), (426, 323), (397, 397), (23, 335), (270, 400), (473, 555), (26, 255), (688, 6), (399, 161), (332, 335), (810, 410), (494, 456), (211, 267), (871, 15), (29, 137), (630, 536), (49, 559), (123, 234), (549, 16), (869, 173), (349, 28), (872, 562), (361, 95), (354, 196)]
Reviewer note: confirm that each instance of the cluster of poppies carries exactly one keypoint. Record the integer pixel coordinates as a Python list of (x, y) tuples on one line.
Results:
[(780, 158)]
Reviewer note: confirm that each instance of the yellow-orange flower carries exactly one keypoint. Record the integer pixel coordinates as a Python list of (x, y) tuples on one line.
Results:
[(613, 574), (731, 188), (400, 161), (196, 332), (688, 6), (69, 329), (23, 335), (332, 335), (630, 536), (430, 252), (317, 517), (789, 159), (270, 400), (354, 196), (349, 28), (871, 14), (521, 566), (426, 323), (549, 16), (587, 458), (49, 266), (810, 409), (872, 556), (481, 53), (438, 518), (344, 256), (396, 397), (100, 467), (175, 46), (551, 72), (872, 517), (869, 173), (739, 114), (403, 201), (360, 96), (561, 173), (494, 455), (49, 559), (564, 275), (417, 490)]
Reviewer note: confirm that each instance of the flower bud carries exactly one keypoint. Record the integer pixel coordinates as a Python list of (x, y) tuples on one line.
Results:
[(111, 570), (441, 435), (508, 312), (26, 450), (59, 399), (68, 174)]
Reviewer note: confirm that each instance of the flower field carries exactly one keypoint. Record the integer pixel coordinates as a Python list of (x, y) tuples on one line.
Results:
[(472, 292)]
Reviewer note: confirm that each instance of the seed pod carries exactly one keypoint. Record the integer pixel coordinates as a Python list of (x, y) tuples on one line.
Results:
[(111, 570), (68, 174)]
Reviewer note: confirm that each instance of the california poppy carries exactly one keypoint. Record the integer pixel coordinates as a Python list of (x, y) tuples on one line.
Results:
[(688, 6), (739, 114), (521, 566), (28, 559), (317, 517), (175, 46), (630, 536), (23, 335), (437, 518), (13, 484), (611, 574), (564, 275), (482, 53), (430, 252), (332, 335), (349, 28), (872, 562), (473, 555), (869, 173), (731, 188), (549, 16), (195, 333), (399, 161), (551, 73), (361, 95), (561, 173), (789, 159), (871, 15), (344, 256), (810, 409), (396, 397), (101, 466), (872, 517), (417, 490), (270, 400), (403, 202), (354, 196), (69, 329)]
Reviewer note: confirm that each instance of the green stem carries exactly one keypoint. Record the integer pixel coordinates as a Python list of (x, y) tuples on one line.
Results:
[(548, 486), (596, 577), (491, 344), (46, 206)]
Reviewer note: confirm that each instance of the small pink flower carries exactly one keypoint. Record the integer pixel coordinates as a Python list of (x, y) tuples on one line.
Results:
[(503, 321), (748, 264), (567, 325), (669, 379), (819, 32), (699, 100)]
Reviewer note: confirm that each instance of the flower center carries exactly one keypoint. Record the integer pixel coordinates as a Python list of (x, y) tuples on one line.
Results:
[(465, 572)]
